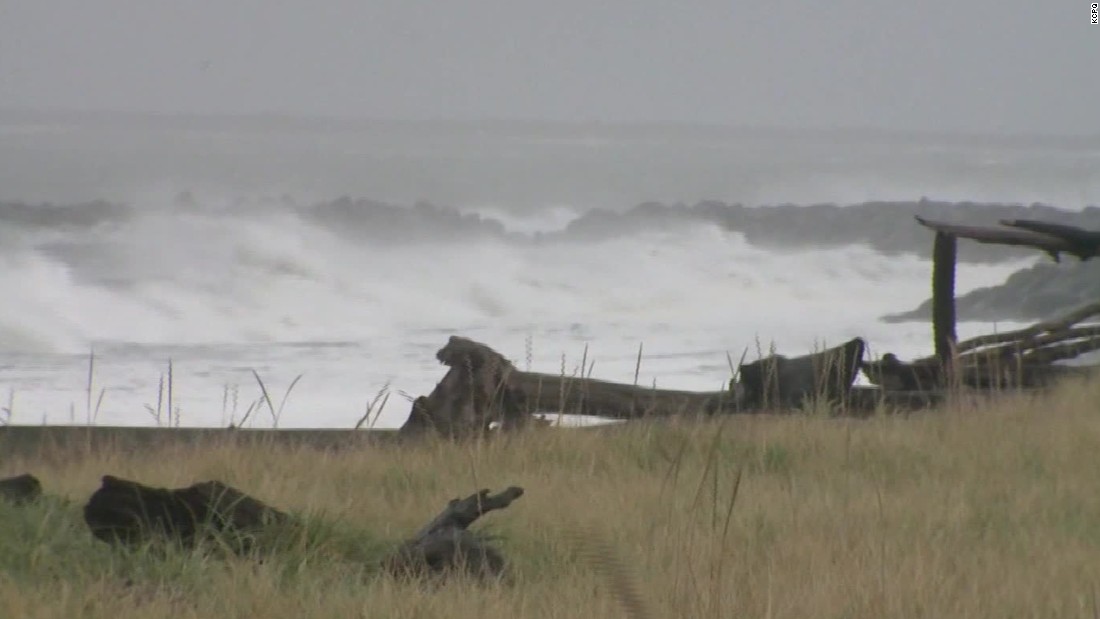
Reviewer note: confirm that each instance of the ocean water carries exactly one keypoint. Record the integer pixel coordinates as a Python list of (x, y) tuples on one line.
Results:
[(208, 252)]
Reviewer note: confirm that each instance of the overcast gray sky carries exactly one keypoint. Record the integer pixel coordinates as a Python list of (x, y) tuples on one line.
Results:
[(1000, 66)]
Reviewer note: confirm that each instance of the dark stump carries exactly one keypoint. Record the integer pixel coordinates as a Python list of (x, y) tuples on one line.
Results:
[(20, 489), (477, 390), (127, 512), (446, 545)]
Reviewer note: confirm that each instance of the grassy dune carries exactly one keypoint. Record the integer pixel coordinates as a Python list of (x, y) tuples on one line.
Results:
[(979, 511)]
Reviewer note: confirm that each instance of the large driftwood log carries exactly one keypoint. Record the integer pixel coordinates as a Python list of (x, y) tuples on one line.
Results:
[(1019, 358), (1053, 239), (1024, 357), (923, 375), (1033, 370), (1084, 244), (587, 396), (446, 544), (20, 489), (763, 385), (482, 386), (1057, 325), (476, 391), (127, 512), (825, 376)]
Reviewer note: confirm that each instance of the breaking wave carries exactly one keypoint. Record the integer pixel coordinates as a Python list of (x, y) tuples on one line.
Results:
[(191, 271)]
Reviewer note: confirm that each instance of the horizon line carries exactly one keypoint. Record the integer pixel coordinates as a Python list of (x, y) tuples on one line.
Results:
[(301, 118)]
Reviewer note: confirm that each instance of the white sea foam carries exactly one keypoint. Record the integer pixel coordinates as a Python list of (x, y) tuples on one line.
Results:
[(222, 292)]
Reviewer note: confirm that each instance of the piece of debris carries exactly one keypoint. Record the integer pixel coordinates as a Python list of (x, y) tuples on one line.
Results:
[(127, 512), (1023, 358), (446, 544)]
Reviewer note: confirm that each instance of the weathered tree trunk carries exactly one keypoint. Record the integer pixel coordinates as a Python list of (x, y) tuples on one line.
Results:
[(1024, 357), (1054, 326), (20, 489), (123, 511), (587, 396), (445, 544), (482, 386), (775, 381), (1020, 358)]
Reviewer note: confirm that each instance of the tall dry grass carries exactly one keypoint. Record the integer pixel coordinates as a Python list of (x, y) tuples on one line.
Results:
[(977, 511)]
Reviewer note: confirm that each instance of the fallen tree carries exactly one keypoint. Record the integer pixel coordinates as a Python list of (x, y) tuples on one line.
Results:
[(481, 386), (446, 544), (1020, 358), (587, 396), (769, 384)]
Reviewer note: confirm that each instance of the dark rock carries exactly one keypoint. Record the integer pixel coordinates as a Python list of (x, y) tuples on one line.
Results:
[(127, 512), (20, 489), (380, 222)]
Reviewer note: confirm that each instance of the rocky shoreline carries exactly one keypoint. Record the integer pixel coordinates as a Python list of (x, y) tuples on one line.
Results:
[(1035, 293)]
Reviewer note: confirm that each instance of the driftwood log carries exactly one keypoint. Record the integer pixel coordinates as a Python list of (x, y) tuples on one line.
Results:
[(785, 382), (481, 386), (587, 396), (764, 385), (127, 512), (1054, 239), (446, 544), (476, 390), (20, 489), (1021, 358), (1083, 244)]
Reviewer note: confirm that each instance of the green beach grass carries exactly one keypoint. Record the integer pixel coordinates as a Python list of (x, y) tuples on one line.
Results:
[(974, 511)]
